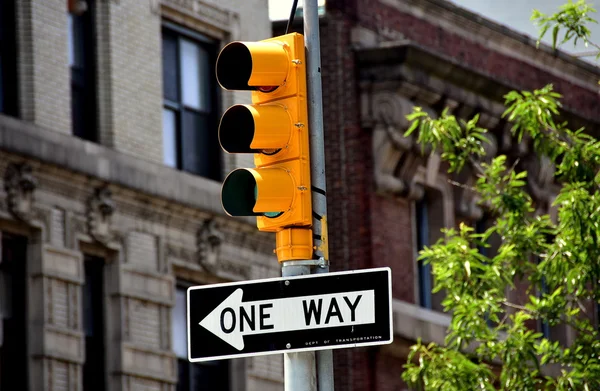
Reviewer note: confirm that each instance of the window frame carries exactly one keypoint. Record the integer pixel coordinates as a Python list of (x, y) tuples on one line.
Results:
[(424, 273), (213, 169), (95, 370), (427, 229), (83, 77), (9, 95), (17, 346)]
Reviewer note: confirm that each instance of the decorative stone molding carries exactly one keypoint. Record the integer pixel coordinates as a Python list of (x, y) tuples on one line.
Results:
[(202, 15), (395, 162), (180, 253), (100, 209), (208, 241), (154, 7), (20, 184)]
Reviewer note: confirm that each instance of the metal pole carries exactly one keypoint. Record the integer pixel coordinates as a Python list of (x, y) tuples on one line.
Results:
[(299, 368), (317, 170)]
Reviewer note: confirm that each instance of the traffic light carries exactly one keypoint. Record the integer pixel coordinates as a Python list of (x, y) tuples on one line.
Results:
[(275, 129)]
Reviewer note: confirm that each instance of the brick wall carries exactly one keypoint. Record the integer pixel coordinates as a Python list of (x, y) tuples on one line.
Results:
[(451, 42), (44, 91), (392, 236), (368, 229), (348, 179), (348, 167), (134, 52)]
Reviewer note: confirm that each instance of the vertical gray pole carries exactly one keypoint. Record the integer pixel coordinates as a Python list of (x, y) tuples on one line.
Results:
[(299, 368), (317, 170)]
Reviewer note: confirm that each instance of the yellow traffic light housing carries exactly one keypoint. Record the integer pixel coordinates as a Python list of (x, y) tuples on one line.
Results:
[(275, 129)]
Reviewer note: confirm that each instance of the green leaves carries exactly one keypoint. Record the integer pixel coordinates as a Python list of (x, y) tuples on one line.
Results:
[(433, 367), (572, 17), (559, 260), (458, 140)]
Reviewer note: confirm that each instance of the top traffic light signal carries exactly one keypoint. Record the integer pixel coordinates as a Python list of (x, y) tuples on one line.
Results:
[(274, 128)]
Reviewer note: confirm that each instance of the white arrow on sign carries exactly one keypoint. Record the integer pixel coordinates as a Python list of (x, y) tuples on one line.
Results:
[(232, 319)]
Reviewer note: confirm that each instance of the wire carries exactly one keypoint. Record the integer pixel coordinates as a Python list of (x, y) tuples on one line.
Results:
[(292, 14)]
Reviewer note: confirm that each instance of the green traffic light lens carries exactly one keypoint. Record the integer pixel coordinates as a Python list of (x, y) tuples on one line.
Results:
[(270, 215)]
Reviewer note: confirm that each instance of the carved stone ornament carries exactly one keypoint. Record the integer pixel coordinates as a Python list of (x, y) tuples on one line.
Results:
[(100, 209), (209, 241), (20, 184), (395, 160)]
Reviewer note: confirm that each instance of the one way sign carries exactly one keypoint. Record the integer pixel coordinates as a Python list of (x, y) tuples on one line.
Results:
[(290, 314)]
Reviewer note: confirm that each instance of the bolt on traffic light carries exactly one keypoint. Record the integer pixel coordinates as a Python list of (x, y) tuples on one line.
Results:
[(275, 129)]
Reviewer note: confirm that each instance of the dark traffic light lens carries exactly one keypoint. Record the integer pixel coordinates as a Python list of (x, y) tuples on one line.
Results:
[(234, 67)]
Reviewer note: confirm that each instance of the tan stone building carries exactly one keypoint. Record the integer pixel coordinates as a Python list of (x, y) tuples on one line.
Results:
[(109, 204)]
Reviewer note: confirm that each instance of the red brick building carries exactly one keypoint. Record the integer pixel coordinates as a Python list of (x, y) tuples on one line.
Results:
[(386, 199)]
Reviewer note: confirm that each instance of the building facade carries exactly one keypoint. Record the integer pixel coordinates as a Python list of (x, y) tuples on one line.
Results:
[(386, 198), (110, 171), (109, 197)]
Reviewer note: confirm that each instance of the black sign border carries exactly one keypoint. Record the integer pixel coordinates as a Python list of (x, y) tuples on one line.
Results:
[(299, 349)]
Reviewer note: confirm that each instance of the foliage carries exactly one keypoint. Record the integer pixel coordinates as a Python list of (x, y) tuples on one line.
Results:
[(491, 343), (562, 284), (573, 19)]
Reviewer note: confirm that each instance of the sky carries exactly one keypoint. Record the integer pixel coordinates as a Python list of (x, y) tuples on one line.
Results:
[(512, 13), (516, 15), (280, 9)]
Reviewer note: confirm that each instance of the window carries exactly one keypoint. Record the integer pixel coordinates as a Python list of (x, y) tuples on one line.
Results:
[(8, 59), (82, 62), (429, 222), (93, 325), (13, 310), (194, 376), (190, 140)]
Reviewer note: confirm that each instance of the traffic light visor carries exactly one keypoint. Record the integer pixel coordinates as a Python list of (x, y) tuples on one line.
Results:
[(257, 192), (252, 66), (255, 129)]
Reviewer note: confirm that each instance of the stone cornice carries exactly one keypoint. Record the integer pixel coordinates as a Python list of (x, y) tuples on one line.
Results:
[(109, 166), (408, 61), (501, 39)]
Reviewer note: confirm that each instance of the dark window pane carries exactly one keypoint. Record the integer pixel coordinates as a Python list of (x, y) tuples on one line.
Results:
[(82, 59), (8, 59), (76, 41), (77, 107), (424, 269), (198, 145), (1, 83), (13, 309), (189, 116), (93, 325), (170, 79), (211, 376)]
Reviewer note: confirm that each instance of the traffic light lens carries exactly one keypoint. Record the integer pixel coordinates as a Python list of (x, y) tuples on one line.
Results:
[(267, 89), (234, 67), (255, 129), (238, 193), (248, 192), (236, 130), (262, 66)]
